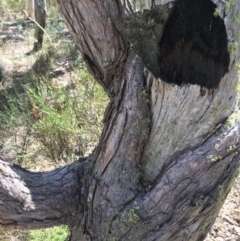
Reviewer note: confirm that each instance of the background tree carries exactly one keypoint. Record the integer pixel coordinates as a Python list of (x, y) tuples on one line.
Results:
[(142, 4), (40, 17), (30, 8), (36, 11), (168, 152)]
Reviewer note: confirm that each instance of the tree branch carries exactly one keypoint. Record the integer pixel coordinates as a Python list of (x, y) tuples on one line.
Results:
[(96, 27), (32, 200), (192, 188), (195, 185)]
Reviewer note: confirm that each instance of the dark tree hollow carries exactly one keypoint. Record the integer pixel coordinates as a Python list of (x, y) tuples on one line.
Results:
[(194, 45)]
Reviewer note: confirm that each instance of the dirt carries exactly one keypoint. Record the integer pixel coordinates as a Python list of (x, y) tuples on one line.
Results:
[(14, 62), (227, 224)]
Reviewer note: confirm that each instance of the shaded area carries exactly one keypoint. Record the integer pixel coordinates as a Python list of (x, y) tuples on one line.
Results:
[(181, 44), (144, 30), (193, 48)]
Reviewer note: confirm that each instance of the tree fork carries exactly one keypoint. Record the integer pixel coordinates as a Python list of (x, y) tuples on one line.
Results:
[(168, 152)]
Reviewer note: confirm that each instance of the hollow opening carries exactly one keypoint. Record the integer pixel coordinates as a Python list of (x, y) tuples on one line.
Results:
[(193, 48)]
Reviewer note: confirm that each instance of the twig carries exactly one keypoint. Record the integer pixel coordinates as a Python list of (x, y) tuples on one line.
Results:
[(39, 26)]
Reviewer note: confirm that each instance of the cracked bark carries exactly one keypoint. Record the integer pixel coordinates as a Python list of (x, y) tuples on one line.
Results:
[(167, 156), (31, 200)]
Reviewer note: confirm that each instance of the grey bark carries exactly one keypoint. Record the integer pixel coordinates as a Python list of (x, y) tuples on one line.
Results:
[(32, 200), (168, 154)]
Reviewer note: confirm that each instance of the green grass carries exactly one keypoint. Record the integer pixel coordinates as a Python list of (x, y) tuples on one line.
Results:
[(60, 233), (11, 9), (61, 120)]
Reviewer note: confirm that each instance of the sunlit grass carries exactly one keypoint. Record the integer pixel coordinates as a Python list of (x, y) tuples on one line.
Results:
[(60, 233), (61, 120)]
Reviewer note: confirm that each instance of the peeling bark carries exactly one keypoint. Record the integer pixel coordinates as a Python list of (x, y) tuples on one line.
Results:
[(168, 154)]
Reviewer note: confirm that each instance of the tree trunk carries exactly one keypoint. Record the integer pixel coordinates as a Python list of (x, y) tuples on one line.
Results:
[(40, 18), (30, 8), (168, 153)]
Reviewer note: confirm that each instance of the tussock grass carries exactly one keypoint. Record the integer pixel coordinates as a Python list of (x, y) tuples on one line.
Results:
[(59, 120)]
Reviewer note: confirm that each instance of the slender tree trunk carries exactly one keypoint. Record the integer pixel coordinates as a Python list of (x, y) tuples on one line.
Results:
[(168, 153), (30, 8), (36, 10), (40, 18)]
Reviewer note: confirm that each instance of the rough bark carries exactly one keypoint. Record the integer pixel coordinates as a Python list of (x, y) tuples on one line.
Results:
[(32, 200), (168, 153)]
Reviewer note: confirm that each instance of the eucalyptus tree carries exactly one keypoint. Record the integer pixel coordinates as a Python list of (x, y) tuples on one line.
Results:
[(168, 153)]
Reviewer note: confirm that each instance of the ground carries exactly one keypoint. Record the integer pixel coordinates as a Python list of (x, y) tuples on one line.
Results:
[(15, 42), (227, 224)]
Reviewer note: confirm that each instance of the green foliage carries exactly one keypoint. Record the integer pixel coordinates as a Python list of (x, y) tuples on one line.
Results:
[(62, 119), (11, 6), (60, 233)]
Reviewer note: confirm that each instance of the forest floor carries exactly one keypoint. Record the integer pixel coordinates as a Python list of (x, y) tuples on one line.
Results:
[(14, 62), (227, 224)]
